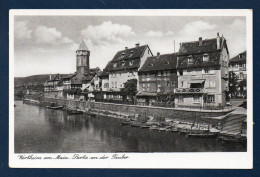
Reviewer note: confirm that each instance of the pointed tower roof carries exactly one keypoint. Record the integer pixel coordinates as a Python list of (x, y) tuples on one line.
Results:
[(83, 46)]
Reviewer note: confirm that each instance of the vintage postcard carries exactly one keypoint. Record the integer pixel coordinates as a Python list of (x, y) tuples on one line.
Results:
[(131, 89)]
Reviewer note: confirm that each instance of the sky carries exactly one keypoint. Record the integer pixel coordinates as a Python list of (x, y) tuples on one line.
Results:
[(47, 44)]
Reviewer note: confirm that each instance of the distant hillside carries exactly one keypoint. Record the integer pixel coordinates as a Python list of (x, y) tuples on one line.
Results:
[(40, 79)]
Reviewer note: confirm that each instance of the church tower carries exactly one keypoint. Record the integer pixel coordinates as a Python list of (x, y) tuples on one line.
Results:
[(82, 55)]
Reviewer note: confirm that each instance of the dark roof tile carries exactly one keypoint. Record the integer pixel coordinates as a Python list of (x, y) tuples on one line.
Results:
[(163, 62)]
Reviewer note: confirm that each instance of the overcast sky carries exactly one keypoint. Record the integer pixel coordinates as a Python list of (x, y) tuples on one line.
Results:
[(47, 44)]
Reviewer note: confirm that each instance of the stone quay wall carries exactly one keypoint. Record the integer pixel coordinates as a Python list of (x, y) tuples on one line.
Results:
[(158, 113)]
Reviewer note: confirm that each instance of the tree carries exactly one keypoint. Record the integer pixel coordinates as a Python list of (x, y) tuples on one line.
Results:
[(233, 82), (130, 88), (242, 85)]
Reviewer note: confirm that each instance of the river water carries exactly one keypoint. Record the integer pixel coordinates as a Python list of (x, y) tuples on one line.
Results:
[(41, 130)]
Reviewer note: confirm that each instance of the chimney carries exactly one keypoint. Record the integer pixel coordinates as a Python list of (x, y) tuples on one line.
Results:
[(126, 48), (137, 45), (218, 41), (200, 41), (158, 54), (50, 77)]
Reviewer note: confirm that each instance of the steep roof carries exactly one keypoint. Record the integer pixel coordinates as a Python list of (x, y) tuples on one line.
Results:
[(239, 57), (208, 45), (83, 46), (158, 63), (127, 59), (69, 76), (90, 74), (196, 51)]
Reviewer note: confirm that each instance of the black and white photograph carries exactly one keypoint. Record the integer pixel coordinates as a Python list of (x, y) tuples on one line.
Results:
[(131, 88)]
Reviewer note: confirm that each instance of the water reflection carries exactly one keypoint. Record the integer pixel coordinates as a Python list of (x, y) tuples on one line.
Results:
[(38, 129)]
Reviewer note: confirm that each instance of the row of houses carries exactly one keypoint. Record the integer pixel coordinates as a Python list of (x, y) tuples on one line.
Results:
[(197, 75)]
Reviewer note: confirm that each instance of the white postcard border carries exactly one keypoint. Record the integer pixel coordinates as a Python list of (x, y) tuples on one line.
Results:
[(204, 160)]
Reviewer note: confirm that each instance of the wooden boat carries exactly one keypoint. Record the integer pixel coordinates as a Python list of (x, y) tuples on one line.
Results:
[(164, 128), (125, 123), (73, 111), (203, 134), (232, 138), (145, 126), (53, 106)]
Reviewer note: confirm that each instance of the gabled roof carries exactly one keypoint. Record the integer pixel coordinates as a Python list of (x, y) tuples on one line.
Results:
[(208, 45), (159, 63), (90, 74), (69, 76), (239, 57), (83, 46), (196, 52), (123, 58)]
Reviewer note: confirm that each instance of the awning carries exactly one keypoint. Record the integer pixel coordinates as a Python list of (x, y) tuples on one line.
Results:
[(197, 81)]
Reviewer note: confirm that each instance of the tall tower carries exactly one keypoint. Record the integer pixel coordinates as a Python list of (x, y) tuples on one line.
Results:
[(82, 55)]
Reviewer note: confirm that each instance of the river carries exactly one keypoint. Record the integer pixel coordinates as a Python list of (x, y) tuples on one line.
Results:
[(41, 130)]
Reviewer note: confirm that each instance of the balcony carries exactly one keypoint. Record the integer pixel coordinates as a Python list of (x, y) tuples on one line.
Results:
[(188, 90)]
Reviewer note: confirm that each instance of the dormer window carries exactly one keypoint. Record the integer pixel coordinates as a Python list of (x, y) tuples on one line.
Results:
[(206, 57), (131, 53), (130, 63), (115, 64), (122, 55), (123, 63), (167, 62), (190, 59), (150, 65)]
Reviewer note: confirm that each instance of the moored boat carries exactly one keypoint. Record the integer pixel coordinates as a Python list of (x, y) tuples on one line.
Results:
[(232, 138), (54, 106), (203, 134), (73, 111)]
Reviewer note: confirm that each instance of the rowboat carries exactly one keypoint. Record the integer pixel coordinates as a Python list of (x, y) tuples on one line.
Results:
[(73, 111), (203, 134), (232, 138), (54, 106), (125, 123)]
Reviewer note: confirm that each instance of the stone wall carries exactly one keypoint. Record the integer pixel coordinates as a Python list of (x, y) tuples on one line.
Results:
[(158, 113)]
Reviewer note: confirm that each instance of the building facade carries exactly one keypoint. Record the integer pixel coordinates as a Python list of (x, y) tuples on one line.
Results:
[(157, 79), (238, 74), (123, 67), (202, 70)]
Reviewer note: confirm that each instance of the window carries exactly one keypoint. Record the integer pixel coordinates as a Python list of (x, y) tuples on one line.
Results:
[(115, 65), (131, 53), (159, 73), (172, 83), (205, 71), (180, 99), (143, 87), (122, 55), (241, 76), (130, 63), (123, 63), (168, 84), (148, 87), (206, 57), (193, 72), (212, 84), (164, 73), (211, 98), (180, 72), (196, 99), (182, 84), (112, 84), (190, 59), (211, 71), (167, 63), (184, 72), (115, 84)]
